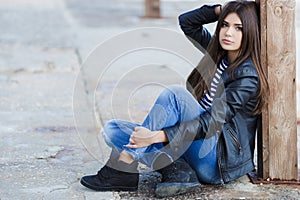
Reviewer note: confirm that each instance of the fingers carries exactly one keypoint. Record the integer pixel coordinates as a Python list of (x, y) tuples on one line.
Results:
[(131, 146), (139, 137), (131, 143), (137, 128), (141, 131), (131, 140)]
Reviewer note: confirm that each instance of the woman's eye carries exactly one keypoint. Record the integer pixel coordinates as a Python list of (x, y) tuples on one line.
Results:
[(239, 28), (224, 24)]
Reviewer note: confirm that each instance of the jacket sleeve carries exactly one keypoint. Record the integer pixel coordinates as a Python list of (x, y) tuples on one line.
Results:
[(191, 23), (234, 98)]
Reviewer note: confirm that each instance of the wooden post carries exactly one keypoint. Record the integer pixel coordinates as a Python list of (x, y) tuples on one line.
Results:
[(277, 146), (152, 8)]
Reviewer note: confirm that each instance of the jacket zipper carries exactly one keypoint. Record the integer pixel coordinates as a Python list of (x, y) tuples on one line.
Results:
[(235, 140), (219, 162)]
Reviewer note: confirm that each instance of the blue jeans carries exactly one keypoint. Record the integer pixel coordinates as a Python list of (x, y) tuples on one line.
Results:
[(175, 104)]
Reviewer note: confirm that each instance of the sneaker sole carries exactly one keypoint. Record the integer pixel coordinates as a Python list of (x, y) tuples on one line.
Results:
[(171, 189), (111, 188)]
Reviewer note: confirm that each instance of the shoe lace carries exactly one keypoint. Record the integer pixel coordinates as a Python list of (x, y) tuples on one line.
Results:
[(169, 172), (103, 172), (174, 168)]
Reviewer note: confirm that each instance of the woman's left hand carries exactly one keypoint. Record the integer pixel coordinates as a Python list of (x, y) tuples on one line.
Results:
[(141, 137)]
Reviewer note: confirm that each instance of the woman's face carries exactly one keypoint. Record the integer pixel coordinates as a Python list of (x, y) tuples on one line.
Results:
[(230, 36)]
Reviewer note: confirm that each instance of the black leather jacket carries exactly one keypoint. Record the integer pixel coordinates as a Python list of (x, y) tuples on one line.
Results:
[(231, 114)]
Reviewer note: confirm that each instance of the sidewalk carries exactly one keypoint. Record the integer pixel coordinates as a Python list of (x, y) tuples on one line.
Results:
[(43, 44)]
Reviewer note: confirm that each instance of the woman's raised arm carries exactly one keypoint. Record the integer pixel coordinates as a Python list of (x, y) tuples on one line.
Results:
[(192, 23)]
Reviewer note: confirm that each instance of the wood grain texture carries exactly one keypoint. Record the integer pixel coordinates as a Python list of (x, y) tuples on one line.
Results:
[(152, 8), (279, 121)]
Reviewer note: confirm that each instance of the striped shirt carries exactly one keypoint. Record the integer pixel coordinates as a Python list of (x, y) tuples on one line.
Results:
[(206, 101)]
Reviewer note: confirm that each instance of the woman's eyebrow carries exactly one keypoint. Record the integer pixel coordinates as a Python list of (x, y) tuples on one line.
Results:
[(233, 24)]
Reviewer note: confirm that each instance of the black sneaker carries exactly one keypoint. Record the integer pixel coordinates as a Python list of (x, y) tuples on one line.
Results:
[(110, 179), (177, 178)]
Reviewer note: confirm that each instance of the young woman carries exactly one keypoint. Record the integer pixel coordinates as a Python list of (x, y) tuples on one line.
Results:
[(206, 133)]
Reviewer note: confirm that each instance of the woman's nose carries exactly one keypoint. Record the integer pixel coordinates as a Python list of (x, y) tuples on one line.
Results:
[(228, 32)]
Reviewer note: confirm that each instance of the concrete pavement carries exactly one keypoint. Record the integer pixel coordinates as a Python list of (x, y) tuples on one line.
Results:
[(43, 44)]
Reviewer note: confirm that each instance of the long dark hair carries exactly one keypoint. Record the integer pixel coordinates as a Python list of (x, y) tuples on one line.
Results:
[(200, 78)]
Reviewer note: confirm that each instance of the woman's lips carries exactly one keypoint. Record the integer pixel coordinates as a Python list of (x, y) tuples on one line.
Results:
[(225, 41)]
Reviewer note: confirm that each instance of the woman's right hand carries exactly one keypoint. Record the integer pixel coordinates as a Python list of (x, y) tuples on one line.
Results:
[(218, 10), (140, 137), (143, 137)]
